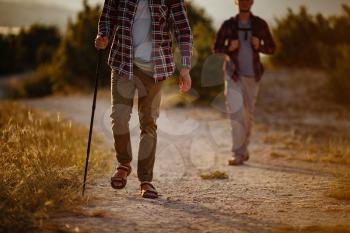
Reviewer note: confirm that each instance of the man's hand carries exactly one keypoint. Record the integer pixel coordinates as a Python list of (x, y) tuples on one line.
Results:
[(185, 81), (227, 59), (101, 42), (234, 45), (255, 43)]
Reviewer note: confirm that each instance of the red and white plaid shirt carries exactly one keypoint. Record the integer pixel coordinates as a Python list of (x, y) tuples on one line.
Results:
[(121, 13)]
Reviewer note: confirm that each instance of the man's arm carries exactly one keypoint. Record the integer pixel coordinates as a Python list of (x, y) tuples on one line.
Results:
[(183, 33), (184, 40), (268, 45), (221, 45), (108, 18)]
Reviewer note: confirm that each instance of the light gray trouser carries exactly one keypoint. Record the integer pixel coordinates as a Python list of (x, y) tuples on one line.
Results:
[(241, 97), (149, 98)]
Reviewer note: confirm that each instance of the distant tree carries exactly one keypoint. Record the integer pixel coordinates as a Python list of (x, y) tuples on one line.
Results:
[(336, 57), (339, 73), (318, 42), (8, 61), (298, 36), (28, 49), (75, 60), (341, 26), (204, 72), (302, 37), (37, 45)]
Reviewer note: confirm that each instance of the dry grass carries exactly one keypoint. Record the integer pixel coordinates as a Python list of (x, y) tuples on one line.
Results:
[(315, 229), (306, 157), (63, 228), (341, 189), (307, 146), (335, 152), (41, 166), (214, 175), (309, 149), (277, 155), (278, 137), (88, 213)]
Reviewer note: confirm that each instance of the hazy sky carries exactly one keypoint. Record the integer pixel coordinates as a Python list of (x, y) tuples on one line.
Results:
[(269, 9), (220, 10)]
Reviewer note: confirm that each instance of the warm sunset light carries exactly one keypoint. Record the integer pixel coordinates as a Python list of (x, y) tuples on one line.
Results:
[(175, 116)]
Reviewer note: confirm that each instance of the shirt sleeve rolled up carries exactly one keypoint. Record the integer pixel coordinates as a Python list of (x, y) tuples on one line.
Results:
[(182, 28)]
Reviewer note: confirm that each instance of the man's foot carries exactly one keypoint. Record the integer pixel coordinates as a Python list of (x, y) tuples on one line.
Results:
[(236, 161), (246, 157), (148, 190), (118, 180)]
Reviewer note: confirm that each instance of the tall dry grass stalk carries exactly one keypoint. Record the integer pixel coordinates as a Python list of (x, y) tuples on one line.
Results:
[(41, 166)]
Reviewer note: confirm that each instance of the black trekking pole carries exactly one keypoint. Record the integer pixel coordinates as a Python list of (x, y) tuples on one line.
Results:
[(92, 118)]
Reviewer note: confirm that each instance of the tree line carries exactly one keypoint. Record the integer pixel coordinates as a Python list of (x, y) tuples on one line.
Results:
[(62, 62), (317, 42)]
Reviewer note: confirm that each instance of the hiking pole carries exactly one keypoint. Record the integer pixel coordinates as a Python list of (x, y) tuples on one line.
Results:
[(92, 118)]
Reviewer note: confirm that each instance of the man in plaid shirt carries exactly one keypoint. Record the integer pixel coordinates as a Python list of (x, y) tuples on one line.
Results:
[(241, 39), (141, 58)]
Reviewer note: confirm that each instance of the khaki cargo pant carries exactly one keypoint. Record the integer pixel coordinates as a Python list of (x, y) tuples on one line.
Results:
[(149, 97), (241, 98)]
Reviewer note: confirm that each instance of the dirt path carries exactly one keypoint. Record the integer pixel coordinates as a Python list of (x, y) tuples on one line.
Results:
[(259, 197)]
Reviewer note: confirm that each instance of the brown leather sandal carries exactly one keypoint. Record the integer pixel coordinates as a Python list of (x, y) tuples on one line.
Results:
[(117, 181), (236, 161), (239, 160), (149, 192)]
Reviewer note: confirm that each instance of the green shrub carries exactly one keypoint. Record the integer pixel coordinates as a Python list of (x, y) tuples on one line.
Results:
[(40, 84), (301, 37), (8, 61), (28, 49), (339, 73), (298, 36), (214, 175), (73, 63), (317, 42)]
